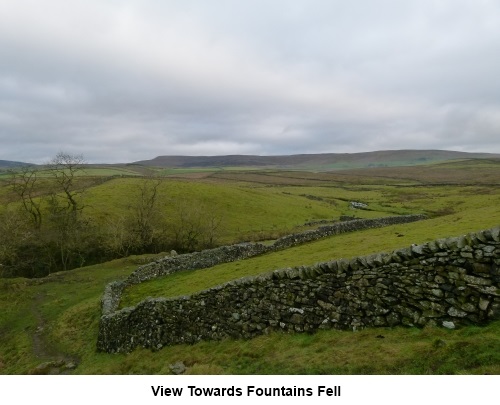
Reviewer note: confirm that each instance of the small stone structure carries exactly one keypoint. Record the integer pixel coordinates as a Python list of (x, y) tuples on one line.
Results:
[(358, 205), (449, 282)]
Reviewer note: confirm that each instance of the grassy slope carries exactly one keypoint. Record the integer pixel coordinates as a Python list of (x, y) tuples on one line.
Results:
[(326, 161), (71, 310), (64, 307), (44, 305), (245, 210), (340, 246)]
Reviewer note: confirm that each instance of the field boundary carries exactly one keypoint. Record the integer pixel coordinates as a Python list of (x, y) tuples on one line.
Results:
[(230, 253), (446, 282)]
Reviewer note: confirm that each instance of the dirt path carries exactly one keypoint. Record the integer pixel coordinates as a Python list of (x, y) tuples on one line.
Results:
[(53, 360)]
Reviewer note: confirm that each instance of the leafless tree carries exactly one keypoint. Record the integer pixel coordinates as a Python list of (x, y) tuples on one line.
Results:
[(68, 227), (146, 216), (24, 182), (195, 225), (119, 240), (64, 168)]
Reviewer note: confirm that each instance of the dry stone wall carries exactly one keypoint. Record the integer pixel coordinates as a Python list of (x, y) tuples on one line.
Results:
[(211, 257), (447, 282)]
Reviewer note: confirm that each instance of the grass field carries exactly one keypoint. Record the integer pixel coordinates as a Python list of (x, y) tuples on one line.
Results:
[(57, 317), (340, 246)]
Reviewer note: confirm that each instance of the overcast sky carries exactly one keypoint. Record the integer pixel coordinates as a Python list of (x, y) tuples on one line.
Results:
[(124, 80)]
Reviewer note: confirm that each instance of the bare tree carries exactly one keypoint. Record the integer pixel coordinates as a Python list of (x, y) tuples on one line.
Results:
[(23, 182), (195, 225), (64, 168), (187, 226), (119, 240), (212, 227), (68, 227), (146, 219)]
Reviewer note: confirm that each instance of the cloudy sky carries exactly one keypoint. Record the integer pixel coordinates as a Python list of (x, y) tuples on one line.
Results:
[(125, 80)]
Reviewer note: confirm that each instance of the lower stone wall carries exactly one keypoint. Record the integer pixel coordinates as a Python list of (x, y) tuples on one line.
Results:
[(224, 254), (447, 282)]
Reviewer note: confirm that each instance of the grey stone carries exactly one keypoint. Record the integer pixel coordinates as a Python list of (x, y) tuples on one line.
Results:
[(417, 249), (490, 290), (456, 313), (468, 307), (177, 368), (495, 234), (477, 280), (483, 304), (489, 249), (448, 325)]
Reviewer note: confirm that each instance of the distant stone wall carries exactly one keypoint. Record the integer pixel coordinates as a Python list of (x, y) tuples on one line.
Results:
[(447, 282), (211, 257), (342, 227), (171, 264)]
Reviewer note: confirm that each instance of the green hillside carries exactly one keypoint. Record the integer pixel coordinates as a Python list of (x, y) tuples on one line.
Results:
[(322, 162), (472, 213), (49, 325)]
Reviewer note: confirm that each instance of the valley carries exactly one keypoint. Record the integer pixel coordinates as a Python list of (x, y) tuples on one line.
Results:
[(257, 205)]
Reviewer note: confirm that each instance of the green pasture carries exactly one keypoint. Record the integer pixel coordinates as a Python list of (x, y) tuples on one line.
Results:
[(245, 212), (67, 307), (392, 163), (89, 171), (109, 171), (174, 171), (58, 316), (340, 246), (41, 306)]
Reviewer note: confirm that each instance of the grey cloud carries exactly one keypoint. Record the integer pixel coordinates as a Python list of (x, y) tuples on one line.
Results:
[(128, 80)]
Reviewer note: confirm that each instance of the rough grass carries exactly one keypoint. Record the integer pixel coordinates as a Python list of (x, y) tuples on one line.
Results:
[(67, 305), (72, 322), (376, 351), (245, 211), (335, 247)]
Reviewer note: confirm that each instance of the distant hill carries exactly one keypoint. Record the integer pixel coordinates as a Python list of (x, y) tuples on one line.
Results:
[(324, 161), (5, 164)]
